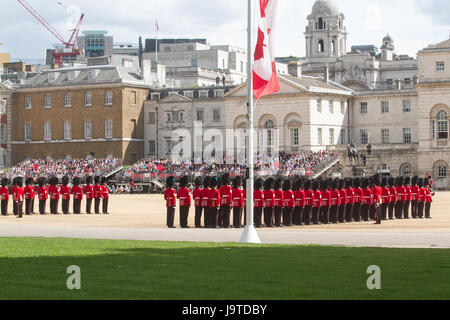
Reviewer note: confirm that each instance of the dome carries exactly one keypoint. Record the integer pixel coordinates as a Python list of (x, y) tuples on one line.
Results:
[(388, 38), (325, 8)]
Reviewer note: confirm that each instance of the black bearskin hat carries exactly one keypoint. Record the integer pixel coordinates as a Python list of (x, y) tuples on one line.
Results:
[(323, 184), (392, 181), (415, 180), (277, 184), (384, 182), (307, 185), (400, 181), (206, 182), (268, 184), (315, 185), (287, 185), (53, 181), (65, 180), (184, 180), (213, 182), (341, 184), (89, 179), (96, 179), (4, 182), (421, 183), (348, 183), (103, 180), (170, 181), (237, 181), (258, 184), (427, 182), (226, 179), (19, 181), (356, 183), (376, 180), (76, 181), (407, 181), (29, 181), (198, 182)]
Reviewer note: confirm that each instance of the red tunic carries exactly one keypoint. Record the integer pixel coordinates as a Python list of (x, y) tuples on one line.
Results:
[(428, 196), (214, 198), (343, 196), (18, 194), (269, 198), (225, 195), (97, 191), (326, 198), (407, 193), (377, 193), (392, 194), (309, 198), (358, 195), (386, 195), (258, 198), (279, 198), (422, 195), (335, 199), (414, 193), (367, 196), (197, 195), (89, 191), (77, 192), (54, 192), (184, 197), (350, 195), (205, 197), (317, 199), (169, 196), (299, 198), (244, 193), (237, 198), (4, 193), (65, 192), (42, 193), (288, 199), (29, 192), (105, 192)]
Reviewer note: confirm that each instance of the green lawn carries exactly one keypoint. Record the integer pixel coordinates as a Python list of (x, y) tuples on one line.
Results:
[(35, 268)]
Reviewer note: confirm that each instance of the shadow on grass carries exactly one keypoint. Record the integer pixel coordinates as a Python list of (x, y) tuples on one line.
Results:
[(36, 269)]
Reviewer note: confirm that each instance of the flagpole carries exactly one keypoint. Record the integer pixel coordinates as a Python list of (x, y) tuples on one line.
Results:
[(156, 43), (250, 235)]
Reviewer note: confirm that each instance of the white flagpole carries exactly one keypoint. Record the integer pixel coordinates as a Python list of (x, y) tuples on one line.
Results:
[(156, 44), (250, 235)]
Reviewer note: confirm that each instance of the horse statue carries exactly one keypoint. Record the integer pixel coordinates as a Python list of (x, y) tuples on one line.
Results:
[(352, 153)]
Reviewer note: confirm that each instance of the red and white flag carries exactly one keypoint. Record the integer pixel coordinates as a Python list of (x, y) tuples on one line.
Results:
[(265, 80)]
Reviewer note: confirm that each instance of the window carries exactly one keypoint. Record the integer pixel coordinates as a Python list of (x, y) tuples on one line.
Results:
[(321, 24), (442, 125), (389, 83), (384, 136), (319, 136), (203, 94), (151, 117), (216, 115), (3, 104), (433, 129), (343, 140), (3, 132), (331, 106), (407, 135), (319, 106), (27, 131), (407, 82), (67, 100), (405, 170), (181, 117), (442, 172), (242, 67), (152, 147), (47, 131), (108, 129), (384, 107), (47, 101), (331, 136), (88, 99), (168, 117), (67, 130), (155, 96), (364, 136), (440, 66), (321, 46), (199, 115), (219, 93), (175, 116), (28, 102), (406, 106), (189, 94), (363, 107), (295, 141), (194, 62), (133, 98), (88, 129), (108, 98)]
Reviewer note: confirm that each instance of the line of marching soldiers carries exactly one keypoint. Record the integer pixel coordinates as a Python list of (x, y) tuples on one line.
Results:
[(49, 189), (281, 202)]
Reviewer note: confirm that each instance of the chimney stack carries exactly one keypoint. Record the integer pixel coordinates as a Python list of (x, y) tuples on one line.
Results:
[(326, 73), (295, 69)]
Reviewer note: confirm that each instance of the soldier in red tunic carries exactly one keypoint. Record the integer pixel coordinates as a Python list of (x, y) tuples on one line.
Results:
[(65, 194), (343, 204), (269, 199), (392, 198), (225, 201), (299, 203), (317, 202), (77, 192), (358, 191), (54, 195), (421, 201), (309, 202), (237, 202), (258, 199), (288, 197), (171, 201), (29, 196), (214, 202), (386, 196), (205, 202), (377, 198), (244, 204), (13, 190), (18, 196), (350, 200), (324, 216), (197, 196), (105, 196), (414, 197), (428, 198), (279, 201), (89, 192), (407, 198), (42, 194), (400, 197), (367, 199), (335, 201), (184, 199), (97, 194), (4, 193)]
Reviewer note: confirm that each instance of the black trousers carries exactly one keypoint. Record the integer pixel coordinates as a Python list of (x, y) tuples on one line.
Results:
[(349, 212), (287, 216), (406, 205), (4, 207), (384, 209), (19, 208), (315, 215), (88, 205), (373, 212), (341, 213), (184, 213), (198, 217), (237, 217), (268, 216), (399, 209), (65, 206), (54, 206), (307, 212), (14, 208), (333, 214), (420, 207), (224, 220), (214, 218), (29, 206), (365, 211), (297, 216), (325, 215), (77, 206), (42, 204), (105, 206), (391, 209), (257, 216), (357, 212), (170, 216), (207, 216), (377, 214), (428, 210), (414, 209), (277, 213), (97, 205)]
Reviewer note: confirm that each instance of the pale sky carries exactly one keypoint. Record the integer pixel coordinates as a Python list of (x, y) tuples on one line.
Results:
[(413, 24)]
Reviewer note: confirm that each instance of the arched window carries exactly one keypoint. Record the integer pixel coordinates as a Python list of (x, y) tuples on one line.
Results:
[(440, 169), (333, 47), (405, 170), (442, 125), (321, 24), (269, 124), (321, 46)]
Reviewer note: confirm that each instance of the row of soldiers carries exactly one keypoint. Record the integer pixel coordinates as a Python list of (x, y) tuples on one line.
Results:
[(283, 202), (49, 189)]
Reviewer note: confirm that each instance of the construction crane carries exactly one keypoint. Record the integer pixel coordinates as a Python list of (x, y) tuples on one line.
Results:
[(68, 48)]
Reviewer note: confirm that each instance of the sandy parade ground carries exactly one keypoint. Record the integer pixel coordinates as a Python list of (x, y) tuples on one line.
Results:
[(142, 217)]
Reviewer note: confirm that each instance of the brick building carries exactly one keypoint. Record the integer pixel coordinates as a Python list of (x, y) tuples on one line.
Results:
[(80, 113), (5, 126)]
